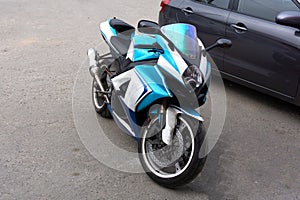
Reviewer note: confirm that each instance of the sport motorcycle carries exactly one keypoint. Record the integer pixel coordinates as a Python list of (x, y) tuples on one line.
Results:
[(151, 82)]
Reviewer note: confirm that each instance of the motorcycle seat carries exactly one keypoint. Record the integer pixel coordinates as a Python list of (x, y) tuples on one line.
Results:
[(121, 44), (120, 26)]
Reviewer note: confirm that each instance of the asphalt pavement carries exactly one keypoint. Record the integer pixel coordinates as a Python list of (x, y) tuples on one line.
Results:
[(43, 46)]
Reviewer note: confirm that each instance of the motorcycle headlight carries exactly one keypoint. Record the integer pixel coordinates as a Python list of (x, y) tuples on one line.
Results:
[(192, 76)]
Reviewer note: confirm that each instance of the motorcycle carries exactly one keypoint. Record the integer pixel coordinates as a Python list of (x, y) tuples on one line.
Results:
[(150, 83)]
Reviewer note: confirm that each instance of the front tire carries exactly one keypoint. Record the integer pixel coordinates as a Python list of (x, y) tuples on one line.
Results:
[(183, 164)]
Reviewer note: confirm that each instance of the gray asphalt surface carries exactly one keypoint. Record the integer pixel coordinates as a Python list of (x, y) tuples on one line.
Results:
[(42, 46)]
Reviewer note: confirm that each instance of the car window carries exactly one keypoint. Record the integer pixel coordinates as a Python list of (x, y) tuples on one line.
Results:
[(218, 3), (266, 9)]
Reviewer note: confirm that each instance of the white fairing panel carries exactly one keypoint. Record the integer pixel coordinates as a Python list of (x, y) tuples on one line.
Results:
[(180, 63), (130, 51), (136, 89), (106, 30), (203, 63), (168, 67)]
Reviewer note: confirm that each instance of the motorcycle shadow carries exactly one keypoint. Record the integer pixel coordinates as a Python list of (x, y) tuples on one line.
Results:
[(116, 136), (224, 170), (216, 177)]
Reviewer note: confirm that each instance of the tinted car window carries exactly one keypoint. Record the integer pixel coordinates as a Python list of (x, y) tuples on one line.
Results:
[(217, 3), (266, 9)]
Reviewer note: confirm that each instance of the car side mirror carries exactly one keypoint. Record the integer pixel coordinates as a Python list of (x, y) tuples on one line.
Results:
[(222, 43), (289, 18)]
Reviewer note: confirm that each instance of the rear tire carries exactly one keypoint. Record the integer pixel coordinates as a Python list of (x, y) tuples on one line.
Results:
[(172, 178)]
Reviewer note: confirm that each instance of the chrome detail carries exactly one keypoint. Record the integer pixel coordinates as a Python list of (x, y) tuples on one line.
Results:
[(96, 71), (155, 167)]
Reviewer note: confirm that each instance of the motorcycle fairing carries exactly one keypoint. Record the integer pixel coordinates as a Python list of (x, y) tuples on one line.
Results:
[(141, 44), (132, 127), (151, 76), (139, 47), (124, 126), (141, 86), (130, 87), (190, 112), (171, 60), (107, 31), (135, 90), (205, 65)]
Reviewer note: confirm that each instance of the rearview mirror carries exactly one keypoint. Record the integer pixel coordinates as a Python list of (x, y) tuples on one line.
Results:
[(146, 26), (289, 18), (223, 43)]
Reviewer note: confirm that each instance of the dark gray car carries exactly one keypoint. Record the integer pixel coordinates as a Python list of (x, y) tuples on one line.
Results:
[(265, 54)]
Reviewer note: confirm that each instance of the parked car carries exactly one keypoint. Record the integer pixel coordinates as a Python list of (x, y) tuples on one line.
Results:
[(265, 34)]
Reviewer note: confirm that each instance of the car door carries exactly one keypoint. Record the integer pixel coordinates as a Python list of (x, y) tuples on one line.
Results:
[(210, 18), (264, 53)]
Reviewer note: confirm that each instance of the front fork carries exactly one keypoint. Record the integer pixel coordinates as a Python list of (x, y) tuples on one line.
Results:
[(171, 121), (168, 120)]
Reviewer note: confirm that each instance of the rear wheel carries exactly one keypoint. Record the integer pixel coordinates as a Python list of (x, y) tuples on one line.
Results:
[(176, 164)]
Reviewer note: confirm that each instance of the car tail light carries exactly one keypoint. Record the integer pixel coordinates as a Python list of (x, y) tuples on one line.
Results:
[(163, 4)]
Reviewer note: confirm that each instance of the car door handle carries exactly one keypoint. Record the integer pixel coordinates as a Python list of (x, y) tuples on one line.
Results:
[(240, 27), (188, 10)]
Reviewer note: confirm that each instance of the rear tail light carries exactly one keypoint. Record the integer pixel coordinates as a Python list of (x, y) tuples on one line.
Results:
[(163, 4)]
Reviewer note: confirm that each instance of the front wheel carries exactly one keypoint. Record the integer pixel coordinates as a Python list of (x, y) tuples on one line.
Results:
[(176, 164)]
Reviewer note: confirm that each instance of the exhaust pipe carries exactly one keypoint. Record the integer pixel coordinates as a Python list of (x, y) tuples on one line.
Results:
[(96, 71)]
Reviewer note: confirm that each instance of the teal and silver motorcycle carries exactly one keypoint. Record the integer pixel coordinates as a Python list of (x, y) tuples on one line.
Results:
[(150, 83)]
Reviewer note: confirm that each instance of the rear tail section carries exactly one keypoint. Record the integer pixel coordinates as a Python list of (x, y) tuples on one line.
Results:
[(117, 35)]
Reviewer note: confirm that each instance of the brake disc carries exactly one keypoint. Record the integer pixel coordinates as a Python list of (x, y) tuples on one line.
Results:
[(169, 154)]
